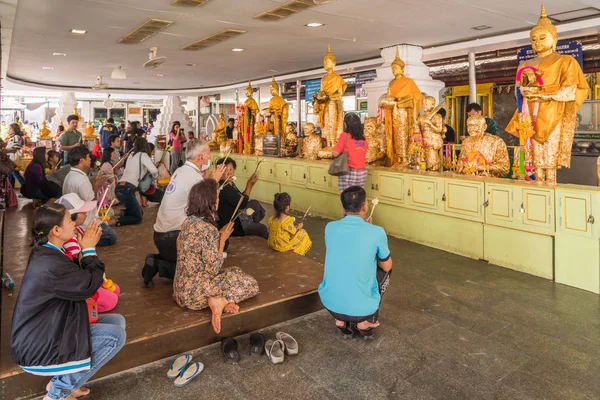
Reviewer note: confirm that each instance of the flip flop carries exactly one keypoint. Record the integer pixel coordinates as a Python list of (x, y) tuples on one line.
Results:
[(367, 334), (178, 364), (257, 344), (291, 345), (275, 350), (229, 348), (193, 370), (346, 331)]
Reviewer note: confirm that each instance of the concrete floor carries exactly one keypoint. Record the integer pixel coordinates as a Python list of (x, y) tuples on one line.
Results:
[(451, 328)]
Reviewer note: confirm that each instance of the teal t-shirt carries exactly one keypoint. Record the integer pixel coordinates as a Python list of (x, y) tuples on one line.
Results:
[(349, 285)]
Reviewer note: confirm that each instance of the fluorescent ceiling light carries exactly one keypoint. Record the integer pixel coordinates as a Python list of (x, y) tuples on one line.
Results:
[(314, 25), (587, 12), (59, 54), (47, 68), (237, 50), (118, 73), (158, 75), (481, 27), (78, 31), (191, 64)]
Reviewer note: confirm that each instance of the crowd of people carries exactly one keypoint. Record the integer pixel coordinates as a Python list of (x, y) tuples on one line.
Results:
[(65, 290)]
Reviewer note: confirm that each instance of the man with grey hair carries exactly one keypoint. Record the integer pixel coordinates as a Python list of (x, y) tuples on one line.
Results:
[(171, 213)]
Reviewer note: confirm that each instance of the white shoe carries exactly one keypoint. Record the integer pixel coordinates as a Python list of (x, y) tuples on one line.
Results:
[(224, 255)]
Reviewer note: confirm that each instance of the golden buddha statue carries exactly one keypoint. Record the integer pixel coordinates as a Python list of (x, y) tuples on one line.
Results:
[(45, 133), (278, 112), (248, 121), (401, 106), (78, 115), (290, 146), (431, 127), (219, 134), (375, 139), (482, 153), (328, 102), (553, 103), (260, 129), (312, 143), (89, 133)]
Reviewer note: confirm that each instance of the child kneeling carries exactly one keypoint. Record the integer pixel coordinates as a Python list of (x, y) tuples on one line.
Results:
[(283, 234)]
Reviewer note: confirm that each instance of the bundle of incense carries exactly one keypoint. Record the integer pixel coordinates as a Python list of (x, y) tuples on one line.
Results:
[(306, 213), (257, 165), (233, 178), (375, 201), (110, 206), (100, 202), (236, 208), (227, 155), (120, 162)]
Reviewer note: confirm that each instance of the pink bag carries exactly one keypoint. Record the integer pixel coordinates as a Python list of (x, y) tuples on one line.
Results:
[(11, 196)]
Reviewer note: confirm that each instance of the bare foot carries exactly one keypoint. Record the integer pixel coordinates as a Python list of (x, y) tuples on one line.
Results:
[(231, 308), (82, 391), (339, 323), (363, 326), (217, 304)]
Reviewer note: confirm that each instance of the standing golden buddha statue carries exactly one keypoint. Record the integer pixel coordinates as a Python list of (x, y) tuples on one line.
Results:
[(328, 103), (401, 106), (431, 126), (375, 139), (553, 103), (246, 126), (278, 109)]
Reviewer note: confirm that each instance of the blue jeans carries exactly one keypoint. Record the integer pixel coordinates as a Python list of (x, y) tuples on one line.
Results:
[(108, 237), (133, 211), (16, 175), (107, 338)]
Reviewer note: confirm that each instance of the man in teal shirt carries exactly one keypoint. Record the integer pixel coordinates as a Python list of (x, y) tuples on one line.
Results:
[(357, 267), (72, 137)]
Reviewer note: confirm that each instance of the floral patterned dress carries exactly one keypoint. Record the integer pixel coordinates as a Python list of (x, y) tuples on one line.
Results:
[(283, 236), (200, 274)]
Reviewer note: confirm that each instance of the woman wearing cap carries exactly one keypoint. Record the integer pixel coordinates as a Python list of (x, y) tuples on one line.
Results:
[(51, 334)]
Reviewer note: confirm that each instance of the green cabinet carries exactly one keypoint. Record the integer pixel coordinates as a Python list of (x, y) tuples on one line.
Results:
[(297, 173), (463, 199), (317, 177), (422, 192), (281, 171), (389, 187), (500, 205), (574, 213), (537, 210)]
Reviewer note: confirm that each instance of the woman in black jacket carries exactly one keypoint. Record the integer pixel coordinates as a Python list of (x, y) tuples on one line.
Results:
[(51, 333)]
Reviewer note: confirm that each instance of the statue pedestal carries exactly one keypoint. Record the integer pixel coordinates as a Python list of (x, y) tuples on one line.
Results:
[(66, 104), (414, 69), (172, 110)]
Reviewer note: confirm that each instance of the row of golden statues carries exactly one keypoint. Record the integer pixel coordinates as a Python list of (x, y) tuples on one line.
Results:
[(552, 85)]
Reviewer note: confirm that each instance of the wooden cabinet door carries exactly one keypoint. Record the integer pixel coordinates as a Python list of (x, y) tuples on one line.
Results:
[(537, 209), (464, 199), (250, 166), (267, 169), (423, 193), (574, 213), (499, 202), (297, 174), (389, 188), (281, 171), (317, 177)]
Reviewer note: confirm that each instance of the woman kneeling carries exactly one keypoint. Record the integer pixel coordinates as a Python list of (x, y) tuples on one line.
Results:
[(200, 279)]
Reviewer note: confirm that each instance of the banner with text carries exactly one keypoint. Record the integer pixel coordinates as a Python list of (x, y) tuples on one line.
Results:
[(571, 48), (310, 88)]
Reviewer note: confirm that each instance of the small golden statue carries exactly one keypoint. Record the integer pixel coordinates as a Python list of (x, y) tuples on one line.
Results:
[(312, 143), (260, 129), (278, 112), (219, 135), (401, 107), (328, 102), (431, 127), (59, 130), (78, 115), (290, 147), (482, 153), (89, 133), (45, 133), (248, 122), (376, 140), (553, 102)]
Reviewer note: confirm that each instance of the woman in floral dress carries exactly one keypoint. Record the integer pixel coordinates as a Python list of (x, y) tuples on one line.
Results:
[(200, 279)]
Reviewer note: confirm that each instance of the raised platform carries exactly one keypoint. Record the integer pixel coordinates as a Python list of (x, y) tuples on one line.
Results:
[(156, 326)]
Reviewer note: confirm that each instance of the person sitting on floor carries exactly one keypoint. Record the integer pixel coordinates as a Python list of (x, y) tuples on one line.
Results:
[(34, 176), (200, 279), (358, 264), (171, 212), (51, 333), (53, 182), (283, 234), (77, 181), (230, 196), (53, 160), (107, 296)]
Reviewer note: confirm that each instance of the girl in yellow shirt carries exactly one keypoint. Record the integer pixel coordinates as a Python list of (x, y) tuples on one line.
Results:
[(283, 234)]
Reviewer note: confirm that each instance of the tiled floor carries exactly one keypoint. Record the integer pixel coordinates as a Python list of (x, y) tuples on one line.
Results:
[(452, 328)]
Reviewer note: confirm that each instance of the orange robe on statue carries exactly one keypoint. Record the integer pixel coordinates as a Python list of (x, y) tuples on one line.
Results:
[(331, 114)]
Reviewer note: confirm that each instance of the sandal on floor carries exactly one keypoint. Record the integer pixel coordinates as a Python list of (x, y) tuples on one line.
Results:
[(275, 350), (193, 370), (178, 364), (346, 331), (291, 345), (229, 348), (367, 334), (257, 344)]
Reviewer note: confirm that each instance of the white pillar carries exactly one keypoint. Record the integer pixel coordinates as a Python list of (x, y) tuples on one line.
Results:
[(414, 68), (172, 110), (66, 104), (472, 79)]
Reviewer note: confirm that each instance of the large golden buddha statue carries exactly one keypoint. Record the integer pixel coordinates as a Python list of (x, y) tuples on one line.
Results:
[(328, 101), (278, 109), (553, 102), (246, 126), (312, 143), (401, 106), (482, 153), (431, 126), (375, 139)]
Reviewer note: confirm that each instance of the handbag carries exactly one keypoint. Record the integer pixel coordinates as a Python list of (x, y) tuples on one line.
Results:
[(145, 182), (339, 166), (11, 196)]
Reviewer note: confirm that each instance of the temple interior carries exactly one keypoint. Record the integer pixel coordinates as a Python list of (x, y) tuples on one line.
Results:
[(471, 128)]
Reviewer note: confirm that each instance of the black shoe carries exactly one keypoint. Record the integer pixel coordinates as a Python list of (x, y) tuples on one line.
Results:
[(257, 344), (229, 348), (346, 331), (149, 271), (367, 334)]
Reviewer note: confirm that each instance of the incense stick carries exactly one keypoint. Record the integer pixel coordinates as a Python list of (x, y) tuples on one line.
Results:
[(121, 160), (227, 155), (306, 213), (110, 206), (237, 208), (374, 202), (57, 164), (101, 201), (257, 165)]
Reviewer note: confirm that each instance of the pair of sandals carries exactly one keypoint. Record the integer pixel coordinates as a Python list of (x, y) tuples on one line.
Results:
[(274, 349), (349, 330), (183, 369)]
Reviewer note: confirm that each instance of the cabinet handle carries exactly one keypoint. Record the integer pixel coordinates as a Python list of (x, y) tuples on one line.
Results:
[(324, 179), (372, 186), (286, 174), (486, 203), (409, 192), (591, 219), (444, 197), (377, 186), (304, 176), (270, 171), (522, 209)]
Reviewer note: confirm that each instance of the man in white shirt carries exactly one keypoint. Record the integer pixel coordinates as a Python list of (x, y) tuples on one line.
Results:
[(77, 181), (171, 213)]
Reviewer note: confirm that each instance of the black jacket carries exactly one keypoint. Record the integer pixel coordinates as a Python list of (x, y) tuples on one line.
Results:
[(50, 325), (229, 197)]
